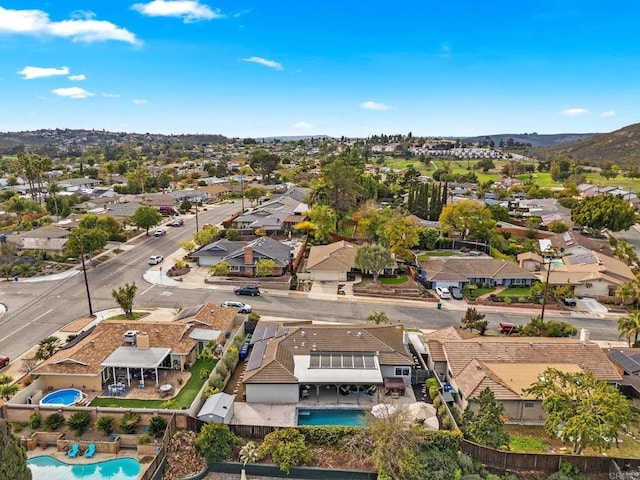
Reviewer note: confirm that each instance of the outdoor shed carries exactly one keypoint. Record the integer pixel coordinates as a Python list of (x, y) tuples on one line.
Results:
[(217, 409)]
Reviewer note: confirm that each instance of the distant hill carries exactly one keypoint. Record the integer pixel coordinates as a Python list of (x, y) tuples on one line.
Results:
[(536, 140), (621, 147)]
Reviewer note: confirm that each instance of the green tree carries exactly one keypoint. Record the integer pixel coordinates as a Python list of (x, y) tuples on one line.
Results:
[(626, 253), (469, 218), (206, 236), (253, 194), (287, 448), (108, 224), (378, 318), (221, 269), (373, 258), (629, 327), (84, 241), (124, 297), (188, 246), (581, 409), (106, 425), (557, 226), (402, 235), (499, 213), (215, 442), (609, 170), (265, 267), (628, 293), (47, 347), (473, 320), (601, 212), (264, 162), (7, 388), (536, 327), (146, 217), (486, 426), (13, 458), (324, 219), (21, 206), (342, 187)]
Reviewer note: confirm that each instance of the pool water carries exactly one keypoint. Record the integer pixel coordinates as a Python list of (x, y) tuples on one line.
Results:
[(350, 417), (67, 396), (49, 468)]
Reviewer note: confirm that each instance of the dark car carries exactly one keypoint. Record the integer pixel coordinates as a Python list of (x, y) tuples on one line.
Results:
[(456, 293), (4, 361), (252, 290), (570, 302), (507, 328)]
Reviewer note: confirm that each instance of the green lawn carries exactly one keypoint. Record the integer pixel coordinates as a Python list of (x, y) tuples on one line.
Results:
[(437, 253), (477, 291), (402, 163), (515, 292), (394, 280), (184, 398), (527, 444)]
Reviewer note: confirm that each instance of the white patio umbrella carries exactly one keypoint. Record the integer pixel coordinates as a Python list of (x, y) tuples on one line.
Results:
[(382, 410), (426, 411)]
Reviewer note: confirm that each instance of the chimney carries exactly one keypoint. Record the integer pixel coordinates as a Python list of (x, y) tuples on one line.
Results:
[(143, 341), (248, 260), (585, 335)]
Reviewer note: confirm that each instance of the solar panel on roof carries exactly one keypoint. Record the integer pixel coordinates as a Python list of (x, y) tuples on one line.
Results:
[(255, 359), (628, 364)]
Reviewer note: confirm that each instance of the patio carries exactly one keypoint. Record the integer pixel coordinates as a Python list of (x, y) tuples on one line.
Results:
[(147, 390)]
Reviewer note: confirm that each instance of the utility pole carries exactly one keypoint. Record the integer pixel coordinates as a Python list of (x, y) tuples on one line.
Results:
[(550, 255), (86, 282)]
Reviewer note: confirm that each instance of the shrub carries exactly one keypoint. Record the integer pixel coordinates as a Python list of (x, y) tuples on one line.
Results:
[(35, 420), (78, 422), (143, 440), (53, 421), (217, 381), (433, 392), (106, 425), (215, 442), (157, 426), (442, 411), (437, 401), (204, 373), (222, 369), (253, 316), (286, 447), (327, 435), (129, 422)]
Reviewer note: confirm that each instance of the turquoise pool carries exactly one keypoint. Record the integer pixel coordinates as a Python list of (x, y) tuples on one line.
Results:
[(351, 417), (50, 468)]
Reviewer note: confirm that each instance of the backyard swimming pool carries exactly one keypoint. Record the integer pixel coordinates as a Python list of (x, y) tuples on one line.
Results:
[(49, 468), (66, 396), (352, 417)]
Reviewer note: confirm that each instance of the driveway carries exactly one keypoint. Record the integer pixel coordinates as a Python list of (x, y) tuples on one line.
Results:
[(591, 305)]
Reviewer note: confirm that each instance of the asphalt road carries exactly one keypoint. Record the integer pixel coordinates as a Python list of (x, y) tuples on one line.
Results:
[(35, 310)]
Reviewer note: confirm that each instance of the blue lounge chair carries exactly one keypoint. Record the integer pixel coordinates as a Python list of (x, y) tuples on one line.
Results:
[(73, 451), (91, 450)]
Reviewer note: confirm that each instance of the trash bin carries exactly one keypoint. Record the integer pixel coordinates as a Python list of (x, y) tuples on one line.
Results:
[(439, 305)]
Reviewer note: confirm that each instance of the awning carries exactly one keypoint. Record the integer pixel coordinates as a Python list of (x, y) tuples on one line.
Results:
[(132, 357), (204, 334)]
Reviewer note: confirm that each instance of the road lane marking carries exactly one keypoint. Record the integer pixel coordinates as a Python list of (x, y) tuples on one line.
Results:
[(26, 325), (147, 290)]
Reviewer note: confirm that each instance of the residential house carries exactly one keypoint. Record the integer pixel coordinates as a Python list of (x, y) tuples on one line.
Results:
[(120, 349), (243, 256), (458, 272), (333, 262), (51, 240), (509, 365), (287, 361)]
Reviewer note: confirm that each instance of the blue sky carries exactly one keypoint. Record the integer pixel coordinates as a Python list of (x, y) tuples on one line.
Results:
[(354, 68)]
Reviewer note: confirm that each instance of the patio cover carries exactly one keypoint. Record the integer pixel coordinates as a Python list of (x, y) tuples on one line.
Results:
[(335, 376), (394, 384), (204, 334), (131, 357)]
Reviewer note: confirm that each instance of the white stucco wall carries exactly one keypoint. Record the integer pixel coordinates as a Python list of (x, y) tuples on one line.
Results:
[(272, 393), (390, 371), (328, 276), (597, 289)]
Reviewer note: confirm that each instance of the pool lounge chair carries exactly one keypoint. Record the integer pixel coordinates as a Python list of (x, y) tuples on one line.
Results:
[(73, 451), (91, 450)]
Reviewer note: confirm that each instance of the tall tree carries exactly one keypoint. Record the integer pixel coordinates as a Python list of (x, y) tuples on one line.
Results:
[(124, 297), (581, 409), (146, 217), (469, 218), (486, 426), (602, 212), (324, 220), (473, 320), (342, 186), (253, 194), (402, 235), (373, 258), (84, 241), (13, 458), (264, 162), (629, 327)]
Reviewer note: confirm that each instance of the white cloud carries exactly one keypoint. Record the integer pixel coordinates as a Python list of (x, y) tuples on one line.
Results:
[(139, 101), (38, 23), (264, 61), (29, 73), (374, 106), (77, 78), (574, 112), (188, 10), (72, 92), (110, 95), (303, 125), (609, 113)]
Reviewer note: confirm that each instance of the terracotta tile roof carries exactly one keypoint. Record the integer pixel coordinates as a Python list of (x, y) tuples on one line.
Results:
[(278, 361), (335, 256), (215, 316)]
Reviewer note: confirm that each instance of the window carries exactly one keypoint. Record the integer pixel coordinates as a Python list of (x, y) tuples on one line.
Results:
[(402, 371), (588, 285), (234, 268), (517, 281), (528, 404)]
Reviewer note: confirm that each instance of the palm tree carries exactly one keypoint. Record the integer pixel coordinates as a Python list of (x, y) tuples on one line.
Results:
[(124, 297), (627, 293), (629, 326), (378, 318), (47, 347)]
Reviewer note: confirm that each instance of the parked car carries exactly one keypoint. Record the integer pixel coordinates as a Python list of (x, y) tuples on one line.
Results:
[(252, 290), (178, 222), (570, 302), (507, 328), (155, 259), (443, 292), (456, 293), (242, 307), (160, 232), (4, 361)]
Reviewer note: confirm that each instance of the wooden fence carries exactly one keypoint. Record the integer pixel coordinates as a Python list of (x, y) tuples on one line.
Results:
[(156, 466)]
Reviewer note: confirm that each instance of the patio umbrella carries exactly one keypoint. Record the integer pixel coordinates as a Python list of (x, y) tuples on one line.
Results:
[(426, 411), (382, 410)]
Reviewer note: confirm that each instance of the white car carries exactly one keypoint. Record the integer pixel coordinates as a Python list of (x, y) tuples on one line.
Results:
[(155, 259), (160, 232), (242, 307), (443, 292)]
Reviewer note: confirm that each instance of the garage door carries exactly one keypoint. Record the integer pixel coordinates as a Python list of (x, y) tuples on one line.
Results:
[(445, 284)]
